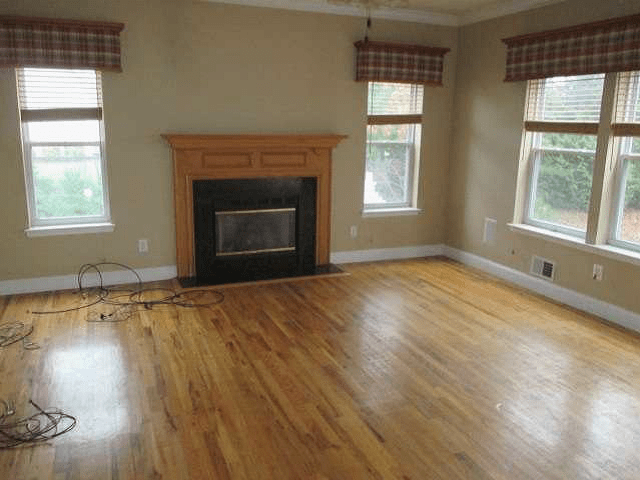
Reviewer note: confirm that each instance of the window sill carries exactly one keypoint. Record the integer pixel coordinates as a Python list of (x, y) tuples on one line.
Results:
[(69, 229), (609, 251), (391, 212)]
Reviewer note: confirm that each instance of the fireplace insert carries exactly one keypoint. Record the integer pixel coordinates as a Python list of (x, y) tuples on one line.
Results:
[(254, 229)]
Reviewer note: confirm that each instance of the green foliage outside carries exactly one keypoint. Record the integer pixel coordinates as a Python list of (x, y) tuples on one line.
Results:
[(632, 195), (64, 186), (388, 162), (564, 180)]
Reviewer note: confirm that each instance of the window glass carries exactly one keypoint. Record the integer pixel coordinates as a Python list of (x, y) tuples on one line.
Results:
[(391, 152), (84, 131), (629, 223), (67, 181), (562, 179)]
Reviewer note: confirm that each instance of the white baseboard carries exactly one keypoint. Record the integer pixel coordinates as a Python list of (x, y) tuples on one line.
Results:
[(608, 311), (357, 256), (65, 282)]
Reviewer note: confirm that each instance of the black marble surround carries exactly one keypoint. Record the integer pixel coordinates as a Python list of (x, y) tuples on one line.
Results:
[(211, 196)]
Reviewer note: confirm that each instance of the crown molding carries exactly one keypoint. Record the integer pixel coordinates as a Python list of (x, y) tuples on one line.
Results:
[(502, 8), (487, 12), (400, 14)]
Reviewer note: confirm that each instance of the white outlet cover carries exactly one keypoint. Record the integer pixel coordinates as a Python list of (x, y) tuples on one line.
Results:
[(143, 245), (489, 234)]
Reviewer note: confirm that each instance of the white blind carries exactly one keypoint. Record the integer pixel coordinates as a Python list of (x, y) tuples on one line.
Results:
[(395, 99), (628, 101), (78, 92), (566, 99)]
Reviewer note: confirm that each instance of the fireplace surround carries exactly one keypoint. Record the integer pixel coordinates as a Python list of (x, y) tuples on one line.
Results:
[(198, 159), (254, 228)]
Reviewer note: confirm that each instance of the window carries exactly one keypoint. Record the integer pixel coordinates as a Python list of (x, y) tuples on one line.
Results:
[(625, 225), (393, 145), (63, 146), (581, 158), (561, 123)]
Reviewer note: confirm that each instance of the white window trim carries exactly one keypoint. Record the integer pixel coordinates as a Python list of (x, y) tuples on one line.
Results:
[(605, 250), (69, 229), (622, 161), (388, 212), (604, 213), (71, 225)]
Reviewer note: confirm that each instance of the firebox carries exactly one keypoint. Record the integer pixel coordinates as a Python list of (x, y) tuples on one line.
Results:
[(254, 229)]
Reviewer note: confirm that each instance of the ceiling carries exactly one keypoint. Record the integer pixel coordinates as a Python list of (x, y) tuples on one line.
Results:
[(439, 12)]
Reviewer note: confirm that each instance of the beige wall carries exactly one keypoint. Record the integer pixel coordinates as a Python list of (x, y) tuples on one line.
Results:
[(487, 127), (212, 68)]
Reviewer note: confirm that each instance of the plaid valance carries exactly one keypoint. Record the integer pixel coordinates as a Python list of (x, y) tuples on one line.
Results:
[(600, 47), (45, 42), (393, 62)]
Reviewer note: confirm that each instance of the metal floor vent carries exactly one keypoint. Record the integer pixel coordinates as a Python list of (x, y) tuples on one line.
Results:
[(541, 267)]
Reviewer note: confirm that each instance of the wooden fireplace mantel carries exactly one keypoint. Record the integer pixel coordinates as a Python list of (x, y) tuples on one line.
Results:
[(211, 157)]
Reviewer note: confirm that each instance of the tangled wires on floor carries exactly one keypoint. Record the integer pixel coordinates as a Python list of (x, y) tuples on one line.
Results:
[(125, 302), (14, 332), (39, 427)]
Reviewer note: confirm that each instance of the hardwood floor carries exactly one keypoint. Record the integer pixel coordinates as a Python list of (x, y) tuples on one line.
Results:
[(420, 369)]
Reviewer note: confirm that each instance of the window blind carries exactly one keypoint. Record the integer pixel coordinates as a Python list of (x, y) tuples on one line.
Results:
[(59, 94), (627, 109), (394, 103), (570, 104), (395, 99)]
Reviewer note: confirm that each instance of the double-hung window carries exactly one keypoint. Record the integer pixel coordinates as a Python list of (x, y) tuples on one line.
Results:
[(561, 125), (579, 173), (581, 156), (394, 124), (625, 223), (63, 147)]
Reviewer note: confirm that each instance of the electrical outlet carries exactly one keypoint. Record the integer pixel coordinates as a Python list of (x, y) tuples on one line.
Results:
[(143, 246), (489, 234), (353, 231), (597, 272)]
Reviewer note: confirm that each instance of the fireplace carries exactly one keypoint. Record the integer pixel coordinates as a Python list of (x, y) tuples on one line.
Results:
[(251, 207), (254, 229)]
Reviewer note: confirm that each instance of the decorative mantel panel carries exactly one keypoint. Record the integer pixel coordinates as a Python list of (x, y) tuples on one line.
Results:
[(212, 157)]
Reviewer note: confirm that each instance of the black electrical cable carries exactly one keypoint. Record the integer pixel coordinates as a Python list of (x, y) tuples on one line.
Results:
[(39, 427), (14, 332), (129, 300)]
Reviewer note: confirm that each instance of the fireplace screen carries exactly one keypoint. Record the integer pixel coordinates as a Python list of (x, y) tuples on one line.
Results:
[(246, 232)]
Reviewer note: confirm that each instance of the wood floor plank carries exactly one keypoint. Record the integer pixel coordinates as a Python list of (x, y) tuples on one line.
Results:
[(401, 370)]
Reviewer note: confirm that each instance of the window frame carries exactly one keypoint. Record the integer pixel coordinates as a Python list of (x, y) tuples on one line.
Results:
[(73, 224), (532, 151), (413, 168), (606, 205), (617, 209)]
